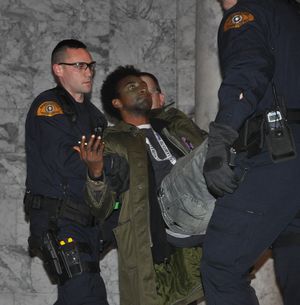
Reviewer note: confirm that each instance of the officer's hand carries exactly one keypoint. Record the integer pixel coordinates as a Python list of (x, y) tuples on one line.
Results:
[(219, 177), (92, 154), (117, 172)]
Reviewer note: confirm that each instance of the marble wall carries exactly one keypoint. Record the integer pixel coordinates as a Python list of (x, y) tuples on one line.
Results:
[(155, 35)]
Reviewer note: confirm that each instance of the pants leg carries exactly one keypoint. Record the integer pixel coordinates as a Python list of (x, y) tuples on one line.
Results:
[(86, 288), (83, 289), (224, 274), (286, 254), (242, 226)]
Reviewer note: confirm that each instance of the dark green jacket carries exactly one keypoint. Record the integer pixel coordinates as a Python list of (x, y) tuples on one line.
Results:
[(141, 281)]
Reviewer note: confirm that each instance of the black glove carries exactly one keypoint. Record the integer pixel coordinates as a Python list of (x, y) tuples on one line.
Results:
[(219, 176), (116, 171)]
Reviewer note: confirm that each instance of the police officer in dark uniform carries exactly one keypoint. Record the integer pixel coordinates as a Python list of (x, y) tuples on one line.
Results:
[(253, 158), (62, 230)]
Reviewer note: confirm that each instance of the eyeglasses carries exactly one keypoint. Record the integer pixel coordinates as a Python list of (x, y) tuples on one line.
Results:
[(81, 66)]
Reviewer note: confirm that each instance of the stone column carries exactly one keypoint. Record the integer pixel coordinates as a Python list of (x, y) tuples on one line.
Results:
[(208, 78)]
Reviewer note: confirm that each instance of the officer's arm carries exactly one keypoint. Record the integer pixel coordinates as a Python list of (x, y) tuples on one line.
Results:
[(247, 65), (54, 137)]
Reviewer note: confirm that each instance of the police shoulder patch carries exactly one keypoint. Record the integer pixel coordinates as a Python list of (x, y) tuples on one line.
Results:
[(237, 20), (49, 108)]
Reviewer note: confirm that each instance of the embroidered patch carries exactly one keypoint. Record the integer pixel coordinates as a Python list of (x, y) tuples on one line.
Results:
[(49, 108), (237, 20)]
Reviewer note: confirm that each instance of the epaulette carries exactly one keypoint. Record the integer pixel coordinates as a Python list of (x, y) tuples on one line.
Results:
[(49, 109)]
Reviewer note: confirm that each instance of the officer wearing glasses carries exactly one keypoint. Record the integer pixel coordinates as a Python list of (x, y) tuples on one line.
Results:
[(63, 233)]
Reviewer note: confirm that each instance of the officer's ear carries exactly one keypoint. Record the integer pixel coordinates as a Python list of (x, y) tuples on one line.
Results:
[(161, 100), (117, 103), (57, 70)]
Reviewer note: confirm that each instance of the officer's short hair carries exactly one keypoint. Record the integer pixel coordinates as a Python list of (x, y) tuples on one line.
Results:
[(109, 89), (153, 77), (58, 52)]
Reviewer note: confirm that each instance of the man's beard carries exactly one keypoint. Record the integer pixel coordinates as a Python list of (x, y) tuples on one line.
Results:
[(142, 107)]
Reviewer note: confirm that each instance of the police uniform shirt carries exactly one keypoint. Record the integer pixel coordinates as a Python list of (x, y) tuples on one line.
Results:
[(54, 168), (257, 46)]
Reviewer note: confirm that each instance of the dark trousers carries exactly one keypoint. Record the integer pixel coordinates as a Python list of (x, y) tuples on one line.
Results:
[(286, 254), (246, 223), (87, 288)]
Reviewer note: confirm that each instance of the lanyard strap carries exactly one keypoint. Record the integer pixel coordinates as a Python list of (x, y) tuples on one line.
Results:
[(163, 146)]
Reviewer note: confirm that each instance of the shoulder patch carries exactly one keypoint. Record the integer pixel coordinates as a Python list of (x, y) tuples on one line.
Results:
[(49, 108), (237, 20)]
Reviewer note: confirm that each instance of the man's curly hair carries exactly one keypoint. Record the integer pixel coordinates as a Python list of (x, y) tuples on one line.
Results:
[(109, 89)]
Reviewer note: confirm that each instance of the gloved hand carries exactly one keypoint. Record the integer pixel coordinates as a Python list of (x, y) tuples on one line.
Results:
[(116, 171), (219, 177)]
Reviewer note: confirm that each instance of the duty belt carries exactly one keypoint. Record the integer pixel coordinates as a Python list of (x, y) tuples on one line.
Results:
[(251, 135), (64, 208)]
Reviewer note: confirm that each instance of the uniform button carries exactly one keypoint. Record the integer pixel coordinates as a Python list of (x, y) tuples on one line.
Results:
[(140, 187)]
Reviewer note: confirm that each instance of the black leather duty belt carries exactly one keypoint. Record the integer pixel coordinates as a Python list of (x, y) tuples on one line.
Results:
[(60, 208)]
